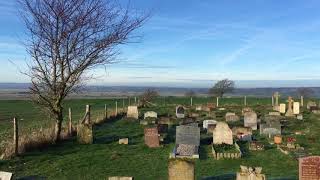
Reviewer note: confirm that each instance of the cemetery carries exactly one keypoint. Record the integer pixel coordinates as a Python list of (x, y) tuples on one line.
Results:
[(173, 141)]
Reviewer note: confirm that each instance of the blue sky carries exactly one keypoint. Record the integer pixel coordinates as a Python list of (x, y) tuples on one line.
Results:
[(194, 42)]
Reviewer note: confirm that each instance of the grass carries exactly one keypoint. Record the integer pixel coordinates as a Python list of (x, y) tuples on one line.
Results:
[(104, 158)]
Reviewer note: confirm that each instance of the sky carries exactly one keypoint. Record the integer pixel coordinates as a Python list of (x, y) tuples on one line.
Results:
[(193, 43)]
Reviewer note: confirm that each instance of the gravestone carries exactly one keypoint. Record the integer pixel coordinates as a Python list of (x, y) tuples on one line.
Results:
[(5, 175), (231, 117), (120, 178), (271, 128), (282, 108), (274, 113), (246, 109), (188, 135), (296, 108), (181, 170), (276, 96), (133, 112), (309, 168), (222, 134), (249, 173), (150, 114), (84, 133), (198, 108), (180, 112), (250, 120), (207, 122), (124, 141), (151, 137), (311, 104), (289, 112)]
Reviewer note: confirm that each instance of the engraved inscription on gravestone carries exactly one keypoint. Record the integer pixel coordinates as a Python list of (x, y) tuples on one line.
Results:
[(180, 170), (309, 168), (151, 137)]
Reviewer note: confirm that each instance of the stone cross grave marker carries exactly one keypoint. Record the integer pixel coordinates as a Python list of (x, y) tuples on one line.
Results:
[(250, 120), (181, 170), (309, 168), (180, 112), (222, 134), (289, 112), (151, 137), (5, 175), (133, 112), (150, 114)]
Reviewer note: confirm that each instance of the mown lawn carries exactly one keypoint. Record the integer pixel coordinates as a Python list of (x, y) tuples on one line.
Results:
[(105, 157)]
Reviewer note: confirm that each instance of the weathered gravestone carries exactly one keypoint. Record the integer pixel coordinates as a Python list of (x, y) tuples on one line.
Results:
[(187, 140), (180, 112), (120, 178), (5, 175), (246, 109), (181, 170), (275, 103), (250, 120), (309, 168), (208, 122), (296, 108), (133, 112), (231, 117), (124, 141), (271, 128), (222, 134), (151, 137), (248, 173), (150, 114), (311, 104), (282, 108), (198, 108), (84, 131)]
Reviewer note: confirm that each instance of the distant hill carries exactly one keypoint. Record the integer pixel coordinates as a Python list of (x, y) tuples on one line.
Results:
[(96, 91)]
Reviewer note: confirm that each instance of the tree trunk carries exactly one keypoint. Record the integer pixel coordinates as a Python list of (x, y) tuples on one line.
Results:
[(58, 127)]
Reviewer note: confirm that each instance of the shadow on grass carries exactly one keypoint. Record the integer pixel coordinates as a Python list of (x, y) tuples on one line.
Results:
[(221, 177), (171, 135), (203, 153), (32, 178)]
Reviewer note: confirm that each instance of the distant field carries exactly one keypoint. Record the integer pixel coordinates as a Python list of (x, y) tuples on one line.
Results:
[(105, 157)]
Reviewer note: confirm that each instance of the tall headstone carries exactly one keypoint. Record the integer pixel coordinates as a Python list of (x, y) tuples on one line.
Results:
[(249, 173), (186, 134), (133, 112), (276, 101), (282, 108), (296, 108), (250, 120), (5, 175), (222, 134), (181, 170), (301, 101), (180, 112), (151, 137), (309, 168), (289, 112)]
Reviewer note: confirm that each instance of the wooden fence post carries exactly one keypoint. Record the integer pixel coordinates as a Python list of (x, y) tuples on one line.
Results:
[(70, 122), (116, 108), (15, 136), (87, 119), (105, 111)]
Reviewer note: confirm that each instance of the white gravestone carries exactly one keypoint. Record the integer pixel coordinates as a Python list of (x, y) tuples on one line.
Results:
[(250, 120), (282, 108), (150, 114), (5, 175), (180, 112), (296, 108), (206, 123), (133, 112), (222, 134)]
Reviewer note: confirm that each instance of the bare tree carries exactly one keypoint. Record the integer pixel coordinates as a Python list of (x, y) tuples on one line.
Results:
[(190, 93), (222, 87), (147, 97), (66, 38), (305, 92)]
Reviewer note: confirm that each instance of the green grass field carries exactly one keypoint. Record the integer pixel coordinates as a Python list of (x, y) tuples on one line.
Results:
[(104, 158)]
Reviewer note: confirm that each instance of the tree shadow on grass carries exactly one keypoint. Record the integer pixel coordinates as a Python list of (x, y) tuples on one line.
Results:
[(203, 153), (221, 177)]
